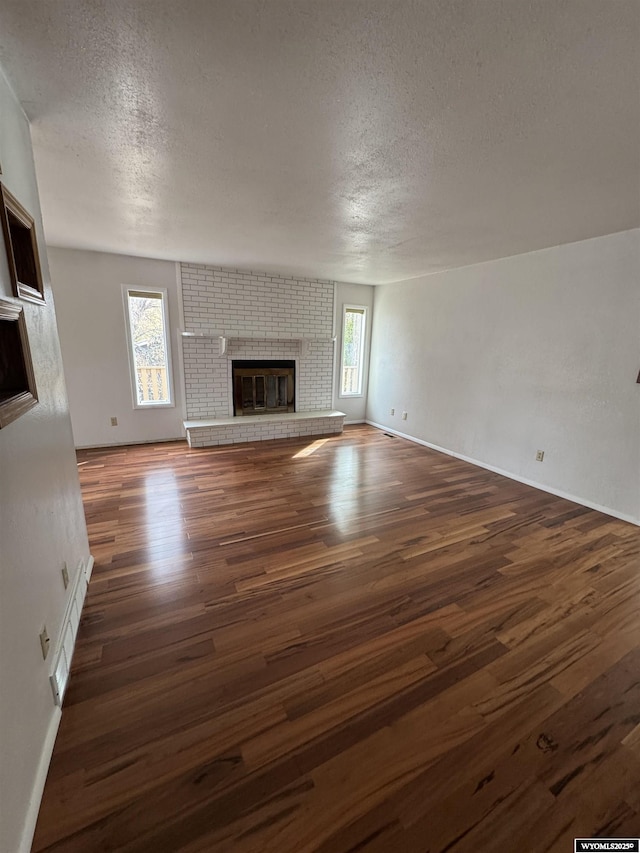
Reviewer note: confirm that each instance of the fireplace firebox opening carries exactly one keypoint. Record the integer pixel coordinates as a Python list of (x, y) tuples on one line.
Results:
[(263, 387)]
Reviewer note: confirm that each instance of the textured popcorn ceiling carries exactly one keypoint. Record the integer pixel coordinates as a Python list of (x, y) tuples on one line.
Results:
[(367, 141)]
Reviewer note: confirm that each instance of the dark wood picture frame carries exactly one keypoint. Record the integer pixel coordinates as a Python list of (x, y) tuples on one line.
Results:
[(22, 248), (17, 381)]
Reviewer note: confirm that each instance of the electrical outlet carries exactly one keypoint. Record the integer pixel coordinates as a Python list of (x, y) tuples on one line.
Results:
[(404, 416), (539, 455), (65, 575), (392, 411), (114, 422), (45, 642)]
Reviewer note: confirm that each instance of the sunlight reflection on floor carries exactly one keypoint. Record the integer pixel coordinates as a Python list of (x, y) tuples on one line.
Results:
[(310, 448), (164, 516)]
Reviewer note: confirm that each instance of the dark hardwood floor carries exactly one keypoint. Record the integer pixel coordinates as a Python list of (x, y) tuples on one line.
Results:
[(345, 644)]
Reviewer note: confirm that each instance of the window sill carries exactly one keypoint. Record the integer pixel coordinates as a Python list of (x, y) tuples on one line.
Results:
[(141, 407)]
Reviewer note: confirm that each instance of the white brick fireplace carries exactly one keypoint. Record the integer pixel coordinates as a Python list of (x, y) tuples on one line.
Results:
[(231, 314)]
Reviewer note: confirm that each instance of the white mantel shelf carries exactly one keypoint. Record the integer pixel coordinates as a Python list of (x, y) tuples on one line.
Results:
[(224, 340), (212, 432), (259, 336)]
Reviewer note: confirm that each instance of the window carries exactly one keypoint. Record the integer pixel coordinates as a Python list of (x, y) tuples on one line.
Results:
[(353, 333), (149, 355)]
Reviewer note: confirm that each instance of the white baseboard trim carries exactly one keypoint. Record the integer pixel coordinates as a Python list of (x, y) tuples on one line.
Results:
[(33, 808), (129, 443), (66, 642), (361, 421), (543, 488), (76, 598)]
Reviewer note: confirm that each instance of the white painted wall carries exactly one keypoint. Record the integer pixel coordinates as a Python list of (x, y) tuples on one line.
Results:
[(91, 321), (352, 294), (539, 351), (41, 526)]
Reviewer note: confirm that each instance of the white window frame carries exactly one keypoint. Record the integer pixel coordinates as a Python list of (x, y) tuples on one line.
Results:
[(360, 309), (153, 292)]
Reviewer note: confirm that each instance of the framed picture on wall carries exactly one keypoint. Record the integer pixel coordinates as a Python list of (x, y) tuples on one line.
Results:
[(21, 246), (17, 381)]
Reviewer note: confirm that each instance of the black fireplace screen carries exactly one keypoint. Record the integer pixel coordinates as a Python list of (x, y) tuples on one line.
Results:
[(263, 387)]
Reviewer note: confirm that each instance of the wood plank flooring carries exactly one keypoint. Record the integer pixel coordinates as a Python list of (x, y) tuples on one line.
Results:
[(344, 644)]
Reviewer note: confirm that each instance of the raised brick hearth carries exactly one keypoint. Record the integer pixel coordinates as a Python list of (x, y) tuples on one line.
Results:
[(210, 433)]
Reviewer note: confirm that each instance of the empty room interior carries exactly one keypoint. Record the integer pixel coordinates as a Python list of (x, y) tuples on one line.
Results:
[(319, 425)]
